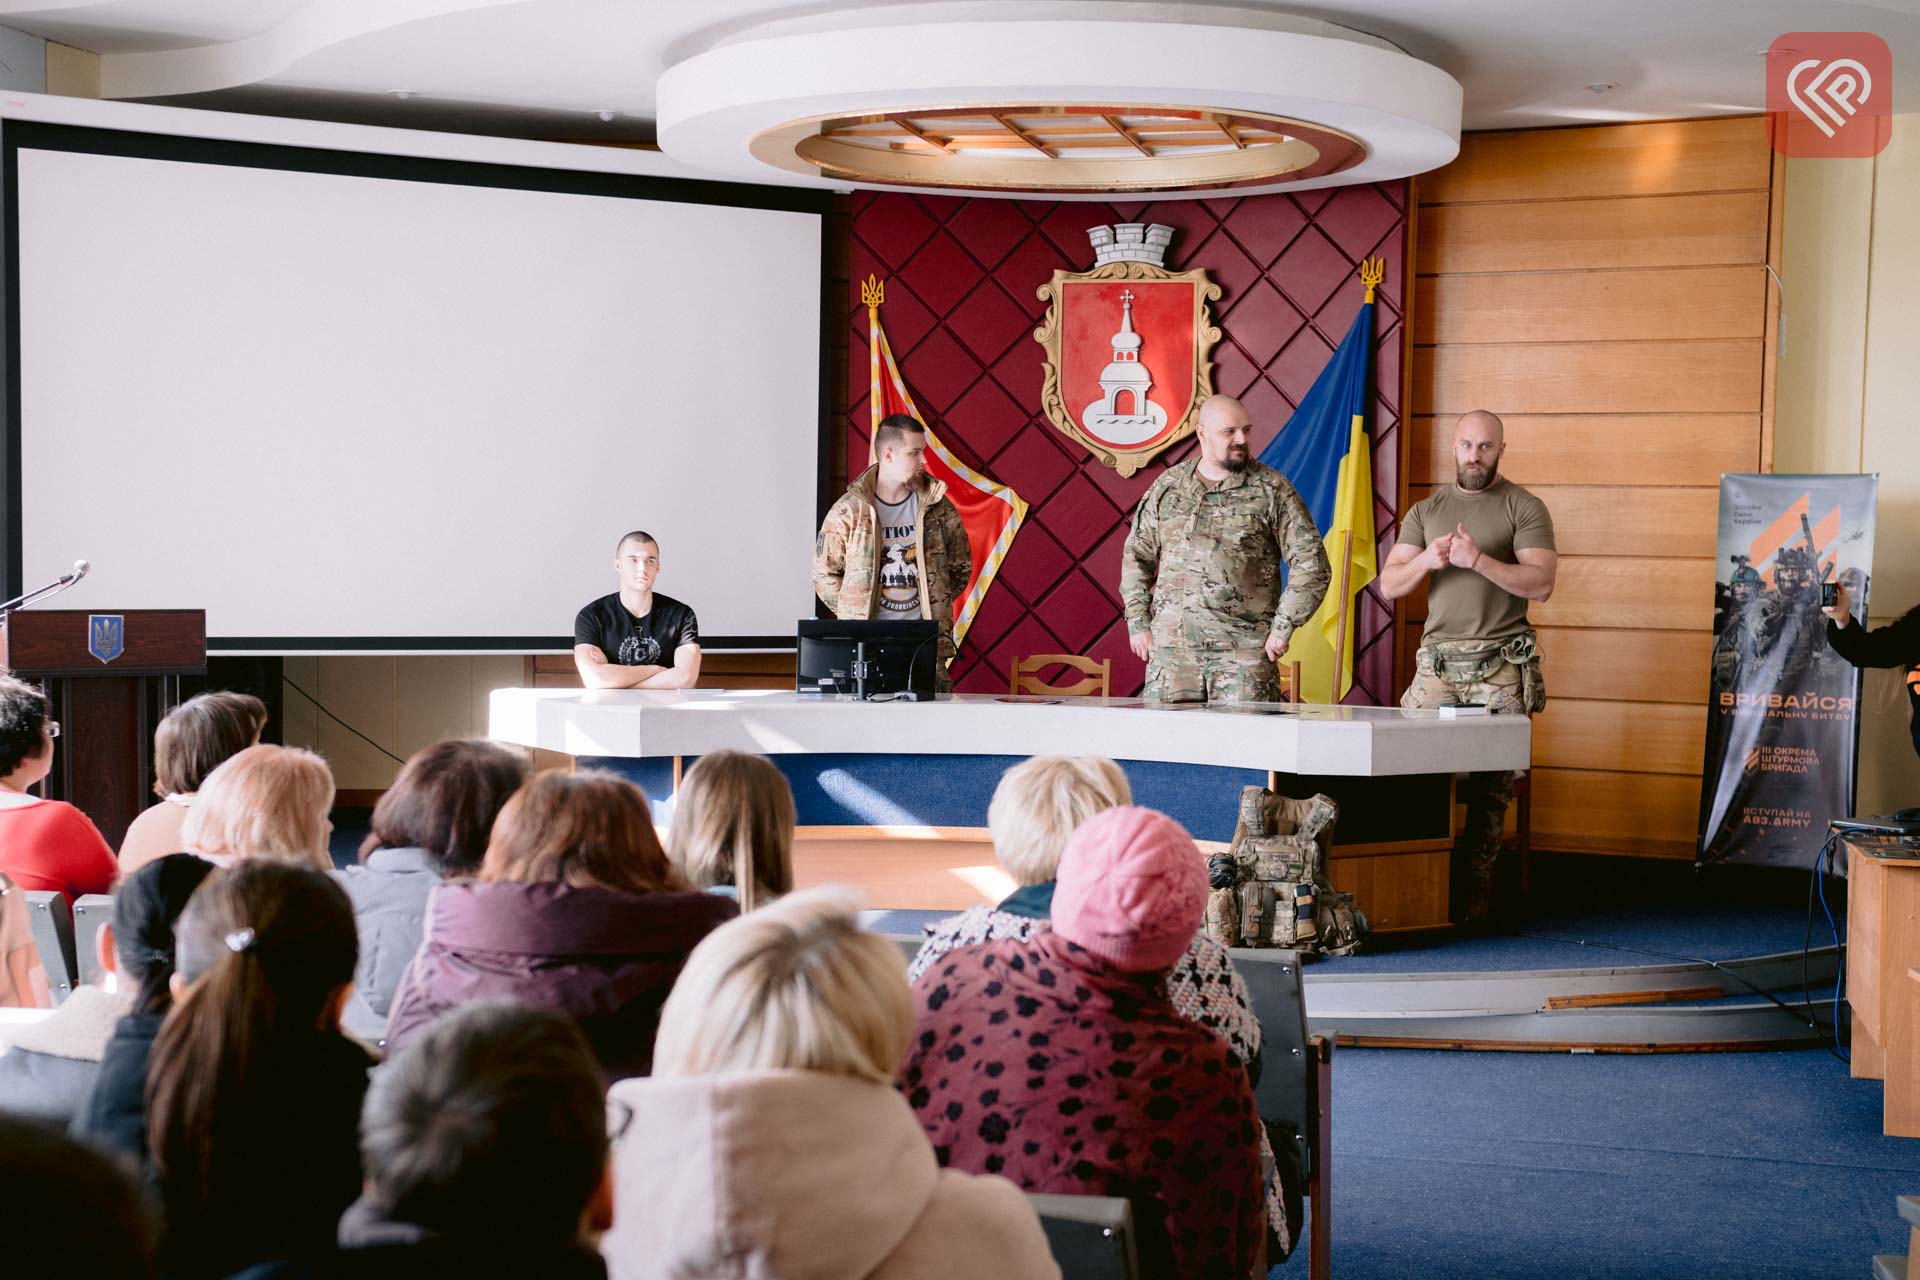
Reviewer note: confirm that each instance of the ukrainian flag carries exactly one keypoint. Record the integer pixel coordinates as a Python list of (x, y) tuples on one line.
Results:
[(1326, 452)]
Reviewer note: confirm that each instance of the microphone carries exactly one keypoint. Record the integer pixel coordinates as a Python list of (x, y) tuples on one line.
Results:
[(80, 570)]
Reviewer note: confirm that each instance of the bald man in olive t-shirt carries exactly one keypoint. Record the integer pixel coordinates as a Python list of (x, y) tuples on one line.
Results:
[(1488, 545)]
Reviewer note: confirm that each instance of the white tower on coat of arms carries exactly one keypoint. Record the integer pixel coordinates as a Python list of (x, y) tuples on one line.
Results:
[(1123, 414)]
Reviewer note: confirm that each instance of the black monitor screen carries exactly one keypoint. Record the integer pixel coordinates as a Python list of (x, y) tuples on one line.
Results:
[(898, 657)]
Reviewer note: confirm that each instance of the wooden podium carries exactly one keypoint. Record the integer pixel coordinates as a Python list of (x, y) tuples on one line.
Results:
[(107, 706)]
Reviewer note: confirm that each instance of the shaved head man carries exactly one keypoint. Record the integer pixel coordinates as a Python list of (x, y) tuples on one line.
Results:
[(1487, 545), (1200, 576)]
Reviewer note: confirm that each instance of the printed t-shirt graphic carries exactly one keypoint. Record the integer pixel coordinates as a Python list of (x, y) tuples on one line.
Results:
[(636, 642), (899, 560)]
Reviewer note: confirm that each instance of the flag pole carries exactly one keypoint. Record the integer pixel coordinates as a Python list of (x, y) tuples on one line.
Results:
[(1340, 607)]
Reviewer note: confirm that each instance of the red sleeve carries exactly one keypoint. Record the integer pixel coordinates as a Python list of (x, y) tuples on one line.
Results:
[(78, 854)]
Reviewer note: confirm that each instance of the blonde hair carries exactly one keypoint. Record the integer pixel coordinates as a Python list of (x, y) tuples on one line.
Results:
[(796, 985), (1038, 804), (264, 802), (733, 824)]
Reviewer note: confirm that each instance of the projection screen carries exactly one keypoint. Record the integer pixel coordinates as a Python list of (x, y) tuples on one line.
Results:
[(368, 402)]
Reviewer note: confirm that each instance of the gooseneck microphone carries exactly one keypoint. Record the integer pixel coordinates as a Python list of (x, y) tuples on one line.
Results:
[(80, 570)]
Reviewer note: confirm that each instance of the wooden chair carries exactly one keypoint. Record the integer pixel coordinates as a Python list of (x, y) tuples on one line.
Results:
[(1097, 677), (1289, 680)]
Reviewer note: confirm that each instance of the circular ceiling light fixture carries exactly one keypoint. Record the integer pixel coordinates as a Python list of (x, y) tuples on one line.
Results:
[(1074, 99)]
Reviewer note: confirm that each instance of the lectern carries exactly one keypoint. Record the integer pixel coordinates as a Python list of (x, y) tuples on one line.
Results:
[(111, 677)]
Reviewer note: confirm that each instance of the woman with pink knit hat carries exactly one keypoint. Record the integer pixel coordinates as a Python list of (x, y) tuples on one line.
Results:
[(1058, 1061)]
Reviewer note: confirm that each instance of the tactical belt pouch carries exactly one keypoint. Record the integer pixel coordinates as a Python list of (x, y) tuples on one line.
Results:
[(1467, 666)]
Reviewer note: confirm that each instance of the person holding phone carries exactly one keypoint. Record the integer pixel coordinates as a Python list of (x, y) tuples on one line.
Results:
[(1895, 645)]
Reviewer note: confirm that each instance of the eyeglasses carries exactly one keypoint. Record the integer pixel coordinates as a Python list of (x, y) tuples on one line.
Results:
[(619, 1120), (53, 728)]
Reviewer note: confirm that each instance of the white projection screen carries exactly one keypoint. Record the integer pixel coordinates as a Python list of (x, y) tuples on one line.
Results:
[(367, 402)]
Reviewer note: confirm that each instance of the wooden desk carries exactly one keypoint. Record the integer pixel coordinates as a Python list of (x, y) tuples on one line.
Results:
[(1883, 945)]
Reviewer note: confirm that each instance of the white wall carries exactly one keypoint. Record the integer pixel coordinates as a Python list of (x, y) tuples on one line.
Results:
[(1848, 396)]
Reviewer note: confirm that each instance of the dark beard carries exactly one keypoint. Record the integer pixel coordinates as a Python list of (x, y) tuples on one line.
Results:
[(1474, 482), (1237, 464)]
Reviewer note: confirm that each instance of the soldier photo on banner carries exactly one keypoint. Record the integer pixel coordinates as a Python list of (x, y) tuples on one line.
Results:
[(1782, 715)]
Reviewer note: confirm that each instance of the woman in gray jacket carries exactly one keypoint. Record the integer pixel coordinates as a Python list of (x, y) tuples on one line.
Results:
[(432, 824)]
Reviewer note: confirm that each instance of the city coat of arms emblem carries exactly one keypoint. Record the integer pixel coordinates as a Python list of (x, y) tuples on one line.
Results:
[(1127, 346)]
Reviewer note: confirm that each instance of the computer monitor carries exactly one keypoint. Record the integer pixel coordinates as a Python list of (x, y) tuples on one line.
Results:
[(863, 659)]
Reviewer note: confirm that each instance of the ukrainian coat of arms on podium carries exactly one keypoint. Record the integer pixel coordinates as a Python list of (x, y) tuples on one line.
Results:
[(1127, 346)]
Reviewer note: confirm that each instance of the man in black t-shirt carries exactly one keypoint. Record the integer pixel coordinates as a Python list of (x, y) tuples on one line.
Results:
[(637, 638)]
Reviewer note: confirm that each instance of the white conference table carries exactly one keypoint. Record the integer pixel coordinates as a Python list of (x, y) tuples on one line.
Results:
[(1374, 742)]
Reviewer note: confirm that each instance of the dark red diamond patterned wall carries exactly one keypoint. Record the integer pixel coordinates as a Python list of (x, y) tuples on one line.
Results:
[(960, 311)]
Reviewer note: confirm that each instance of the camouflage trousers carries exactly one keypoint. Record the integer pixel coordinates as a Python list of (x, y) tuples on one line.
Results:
[(1181, 674), (1504, 677)]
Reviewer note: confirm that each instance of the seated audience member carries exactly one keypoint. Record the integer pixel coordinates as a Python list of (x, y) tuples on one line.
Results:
[(265, 802), (733, 828), (636, 638), (45, 845), (1058, 1060), (146, 907), (485, 1145), (193, 740), (771, 1141), (433, 823), (576, 908), (22, 983), (48, 1067), (253, 1095), (69, 1210), (1035, 808)]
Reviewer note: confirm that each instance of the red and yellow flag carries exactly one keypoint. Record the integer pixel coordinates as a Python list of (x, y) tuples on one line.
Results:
[(991, 511)]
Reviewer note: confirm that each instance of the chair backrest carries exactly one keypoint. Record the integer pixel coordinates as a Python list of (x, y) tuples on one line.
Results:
[(1290, 680), (90, 911), (53, 938), (1279, 1004), (1096, 681), (909, 943), (1091, 1236)]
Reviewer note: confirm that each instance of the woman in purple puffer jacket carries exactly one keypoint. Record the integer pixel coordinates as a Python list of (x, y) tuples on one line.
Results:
[(576, 908)]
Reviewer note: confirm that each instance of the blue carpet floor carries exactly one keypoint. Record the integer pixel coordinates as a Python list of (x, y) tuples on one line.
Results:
[(1512, 1165)]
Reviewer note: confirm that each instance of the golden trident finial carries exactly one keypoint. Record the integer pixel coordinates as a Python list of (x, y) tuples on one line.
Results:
[(872, 293), (1372, 272)]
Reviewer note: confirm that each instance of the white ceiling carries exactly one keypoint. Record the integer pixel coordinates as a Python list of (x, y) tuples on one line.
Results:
[(543, 67)]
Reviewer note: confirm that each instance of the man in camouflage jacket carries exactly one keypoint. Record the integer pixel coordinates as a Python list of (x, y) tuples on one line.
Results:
[(1200, 577), (848, 553)]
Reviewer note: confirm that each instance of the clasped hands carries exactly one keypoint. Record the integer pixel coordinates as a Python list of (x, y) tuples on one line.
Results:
[(1456, 549)]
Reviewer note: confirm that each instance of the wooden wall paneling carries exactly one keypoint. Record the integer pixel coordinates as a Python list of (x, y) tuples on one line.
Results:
[(1582, 810), (1663, 157), (1397, 891), (1595, 306), (1666, 449), (1617, 520), (1707, 376), (1624, 737), (1573, 235), (1626, 666), (1642, 593)]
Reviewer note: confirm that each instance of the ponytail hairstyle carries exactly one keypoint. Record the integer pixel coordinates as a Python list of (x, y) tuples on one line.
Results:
[(265, 948), (733, 824), (146, 907)]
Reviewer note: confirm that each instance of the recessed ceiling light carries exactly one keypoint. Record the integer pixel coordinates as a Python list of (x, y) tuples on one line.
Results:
[(404, 94), (606, 117), (1604, 86)]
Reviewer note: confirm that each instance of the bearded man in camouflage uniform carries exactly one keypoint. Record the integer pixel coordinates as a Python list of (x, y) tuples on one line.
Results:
[(1200, 576), (1488, 546)]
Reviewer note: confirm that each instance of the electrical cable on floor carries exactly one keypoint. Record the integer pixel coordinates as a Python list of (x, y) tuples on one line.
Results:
[(342, 723), (1828, 852)]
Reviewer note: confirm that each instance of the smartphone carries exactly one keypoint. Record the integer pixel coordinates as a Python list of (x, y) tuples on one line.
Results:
[(1829, 594)]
